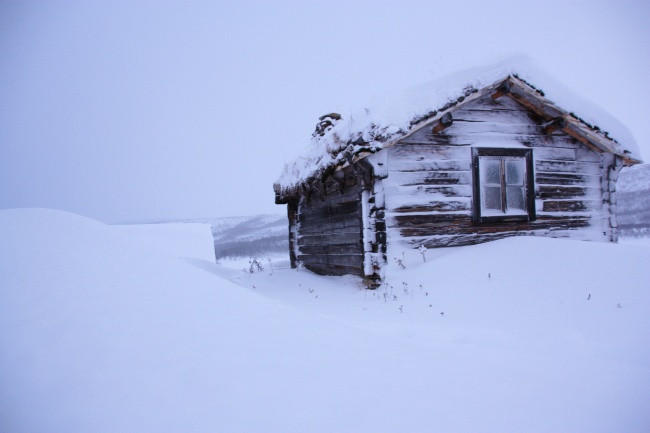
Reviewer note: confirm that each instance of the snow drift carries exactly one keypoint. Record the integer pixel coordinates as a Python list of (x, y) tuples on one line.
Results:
[(102, 332)]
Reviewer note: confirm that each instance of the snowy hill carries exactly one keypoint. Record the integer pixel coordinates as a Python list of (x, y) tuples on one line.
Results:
[(634, 201), (252, 236), (247, 236), (102, 332)]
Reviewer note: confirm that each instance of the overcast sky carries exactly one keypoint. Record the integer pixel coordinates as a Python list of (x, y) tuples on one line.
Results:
[(140, 110)]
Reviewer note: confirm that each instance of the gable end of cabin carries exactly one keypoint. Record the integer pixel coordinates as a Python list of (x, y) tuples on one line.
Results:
[(500, 161)]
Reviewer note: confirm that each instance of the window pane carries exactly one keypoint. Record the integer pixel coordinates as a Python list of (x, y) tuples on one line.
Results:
[(502, 178), (492, 171), (515, 172), (492, 198), (515, 198)]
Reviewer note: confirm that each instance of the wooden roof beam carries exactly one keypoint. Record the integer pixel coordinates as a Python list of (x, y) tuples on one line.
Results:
[(445, 122), (553, 125), (521, 93), (503, 89), (530, 99)]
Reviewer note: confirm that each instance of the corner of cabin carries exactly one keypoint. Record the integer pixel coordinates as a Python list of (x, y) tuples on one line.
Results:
[(497, 161), (440, 191)]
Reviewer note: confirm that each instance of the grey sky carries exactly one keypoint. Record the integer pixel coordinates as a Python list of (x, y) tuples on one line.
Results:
[(126, 111)]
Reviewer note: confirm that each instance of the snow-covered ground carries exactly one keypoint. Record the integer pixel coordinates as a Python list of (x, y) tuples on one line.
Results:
[(102, 332)]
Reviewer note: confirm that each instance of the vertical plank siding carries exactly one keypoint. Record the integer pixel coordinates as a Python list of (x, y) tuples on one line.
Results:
[(429, 185)]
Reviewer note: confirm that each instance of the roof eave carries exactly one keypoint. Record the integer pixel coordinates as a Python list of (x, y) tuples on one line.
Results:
[(519, 90), (532, 99)]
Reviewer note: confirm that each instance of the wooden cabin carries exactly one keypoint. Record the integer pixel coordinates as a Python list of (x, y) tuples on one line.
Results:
[(496, 161)]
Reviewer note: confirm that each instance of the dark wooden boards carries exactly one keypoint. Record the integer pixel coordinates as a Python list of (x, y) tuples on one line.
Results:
[(328, 227)]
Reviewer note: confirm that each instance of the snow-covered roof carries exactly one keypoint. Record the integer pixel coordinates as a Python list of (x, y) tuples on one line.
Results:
[(375, 127)]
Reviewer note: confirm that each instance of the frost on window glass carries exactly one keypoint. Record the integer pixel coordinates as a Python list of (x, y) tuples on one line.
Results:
[(503, 185), (493, 171), (491, 179), (515, 192), (492, 198), (515, 172), (515, 199)]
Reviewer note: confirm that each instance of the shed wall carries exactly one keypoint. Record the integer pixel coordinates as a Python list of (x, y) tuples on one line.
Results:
[(327, 231), (429, 184)]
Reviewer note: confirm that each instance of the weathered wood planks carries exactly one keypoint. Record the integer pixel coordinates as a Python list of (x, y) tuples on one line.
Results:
[(328, 236), (429, 187), (425, 187)]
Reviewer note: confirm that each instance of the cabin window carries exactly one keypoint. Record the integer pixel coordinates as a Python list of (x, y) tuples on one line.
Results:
[(503, 185)]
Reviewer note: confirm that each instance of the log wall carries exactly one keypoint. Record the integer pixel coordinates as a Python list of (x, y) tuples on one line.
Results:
[(429, 184), (327, 227)]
